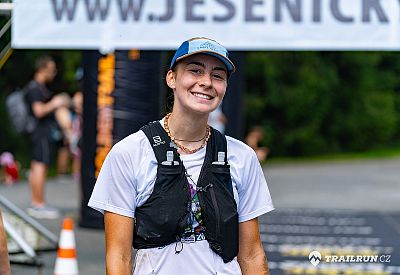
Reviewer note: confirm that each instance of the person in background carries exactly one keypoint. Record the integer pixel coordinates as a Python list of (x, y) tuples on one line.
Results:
[(44, 107), (217, 120), (63, 157), (4, 261), (69, 146), (76, 128), (253, 139), (10, 167)]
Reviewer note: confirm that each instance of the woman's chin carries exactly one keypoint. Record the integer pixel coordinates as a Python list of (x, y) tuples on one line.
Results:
[(204, 110)]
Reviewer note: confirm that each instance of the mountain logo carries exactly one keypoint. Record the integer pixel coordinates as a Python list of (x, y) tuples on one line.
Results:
[(315, 257), (208, 46)]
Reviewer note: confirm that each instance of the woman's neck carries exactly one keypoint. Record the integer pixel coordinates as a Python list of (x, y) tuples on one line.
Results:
[(187, 126)]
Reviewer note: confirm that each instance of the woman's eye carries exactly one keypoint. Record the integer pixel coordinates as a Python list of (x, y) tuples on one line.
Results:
[(196, 71), (217, 76)]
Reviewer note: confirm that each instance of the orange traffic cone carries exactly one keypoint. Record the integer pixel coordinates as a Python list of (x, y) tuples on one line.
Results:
[(66, 263)]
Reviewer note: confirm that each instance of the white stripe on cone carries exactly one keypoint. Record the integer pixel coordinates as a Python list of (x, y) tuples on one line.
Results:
[(66, 267), (67, 239)]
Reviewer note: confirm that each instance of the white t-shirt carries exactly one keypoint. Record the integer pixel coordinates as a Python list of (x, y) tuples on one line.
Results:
[(126, 181)]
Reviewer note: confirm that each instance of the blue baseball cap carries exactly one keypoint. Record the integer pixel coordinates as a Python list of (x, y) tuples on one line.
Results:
[(204, 46)]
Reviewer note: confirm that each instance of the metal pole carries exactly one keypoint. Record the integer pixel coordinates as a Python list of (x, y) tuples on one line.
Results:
[(18, 239), (20, 213), (5, 28)]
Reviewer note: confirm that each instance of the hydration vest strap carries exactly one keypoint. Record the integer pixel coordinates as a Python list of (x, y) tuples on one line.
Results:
[(160, 141), (220, 146), (215, 145)]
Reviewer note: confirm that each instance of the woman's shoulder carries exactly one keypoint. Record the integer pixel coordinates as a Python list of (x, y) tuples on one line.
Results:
[(133, 144), (239, 153), (239, 147)]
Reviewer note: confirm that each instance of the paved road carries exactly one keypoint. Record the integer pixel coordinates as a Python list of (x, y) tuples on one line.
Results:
[(366, 193), (63, 193), (355, 185), (337, 209)]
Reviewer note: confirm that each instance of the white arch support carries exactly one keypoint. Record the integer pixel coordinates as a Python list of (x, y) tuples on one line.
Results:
[(237, 24), (6, 8)]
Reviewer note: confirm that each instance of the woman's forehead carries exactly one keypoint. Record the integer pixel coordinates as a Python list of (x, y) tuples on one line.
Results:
[(205, 59)]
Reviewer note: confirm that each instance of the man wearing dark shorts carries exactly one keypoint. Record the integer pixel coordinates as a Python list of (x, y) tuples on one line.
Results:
[(43, 107)]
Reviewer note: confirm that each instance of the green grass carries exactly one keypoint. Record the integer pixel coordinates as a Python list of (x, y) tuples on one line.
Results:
[(385, 153)]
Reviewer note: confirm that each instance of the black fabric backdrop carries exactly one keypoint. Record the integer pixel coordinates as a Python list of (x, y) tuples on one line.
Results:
[(137, 97)]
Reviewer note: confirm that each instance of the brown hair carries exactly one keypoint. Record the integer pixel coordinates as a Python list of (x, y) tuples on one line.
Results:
[(42, 62)]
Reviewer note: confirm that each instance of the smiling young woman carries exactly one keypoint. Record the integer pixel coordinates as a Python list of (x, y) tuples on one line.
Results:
[(186, 196), (199, 84)]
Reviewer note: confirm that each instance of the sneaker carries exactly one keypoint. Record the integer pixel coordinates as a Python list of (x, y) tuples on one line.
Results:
[(43, 212)]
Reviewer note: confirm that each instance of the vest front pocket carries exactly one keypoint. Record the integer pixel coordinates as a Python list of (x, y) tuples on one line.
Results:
[(160, 218), (227, 227), (222, 174), (167, 196)]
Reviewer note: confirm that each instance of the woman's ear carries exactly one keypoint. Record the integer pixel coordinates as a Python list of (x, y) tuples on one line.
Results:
[(170, 79)]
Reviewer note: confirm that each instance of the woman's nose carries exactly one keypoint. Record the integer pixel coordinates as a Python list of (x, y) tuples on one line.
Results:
[(205, 80)]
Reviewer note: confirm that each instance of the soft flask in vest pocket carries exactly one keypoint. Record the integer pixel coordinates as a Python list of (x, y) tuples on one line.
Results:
[(158, 214), (224, 238)]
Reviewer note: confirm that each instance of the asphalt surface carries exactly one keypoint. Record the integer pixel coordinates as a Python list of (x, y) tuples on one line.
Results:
[(340, 209), (64, 194), (336, 208)]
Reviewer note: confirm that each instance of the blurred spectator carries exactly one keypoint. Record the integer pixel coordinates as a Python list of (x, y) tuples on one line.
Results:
[(71, 146), (4, 261), (254, 139), (45, 108), (10, 168), (75, 144), (217, 120), (62, 157)]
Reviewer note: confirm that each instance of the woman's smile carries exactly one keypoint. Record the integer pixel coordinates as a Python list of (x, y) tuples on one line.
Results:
[(201, 95)]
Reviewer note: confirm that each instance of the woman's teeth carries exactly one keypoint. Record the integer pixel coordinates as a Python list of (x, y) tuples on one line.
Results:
[(202, 96)]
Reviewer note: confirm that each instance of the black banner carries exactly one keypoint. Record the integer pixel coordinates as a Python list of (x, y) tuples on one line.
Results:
[(122, 92), (137, 96), (89, 217), (233, 104)]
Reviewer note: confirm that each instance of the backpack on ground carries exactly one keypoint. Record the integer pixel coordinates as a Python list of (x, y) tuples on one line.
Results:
[(19, 112)]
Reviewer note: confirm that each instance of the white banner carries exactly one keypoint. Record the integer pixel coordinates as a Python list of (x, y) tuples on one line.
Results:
[(237, 24)]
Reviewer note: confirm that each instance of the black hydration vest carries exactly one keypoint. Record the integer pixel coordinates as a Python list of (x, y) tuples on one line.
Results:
[(162, 219)]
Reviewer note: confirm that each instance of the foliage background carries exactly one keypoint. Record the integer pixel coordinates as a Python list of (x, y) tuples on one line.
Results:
[(312, 103)]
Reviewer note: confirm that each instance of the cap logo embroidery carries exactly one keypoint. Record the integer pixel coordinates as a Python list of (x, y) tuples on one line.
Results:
[(209, 46)]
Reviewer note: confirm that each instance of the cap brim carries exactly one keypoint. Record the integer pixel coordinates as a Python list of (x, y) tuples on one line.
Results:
[(228, 63)]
